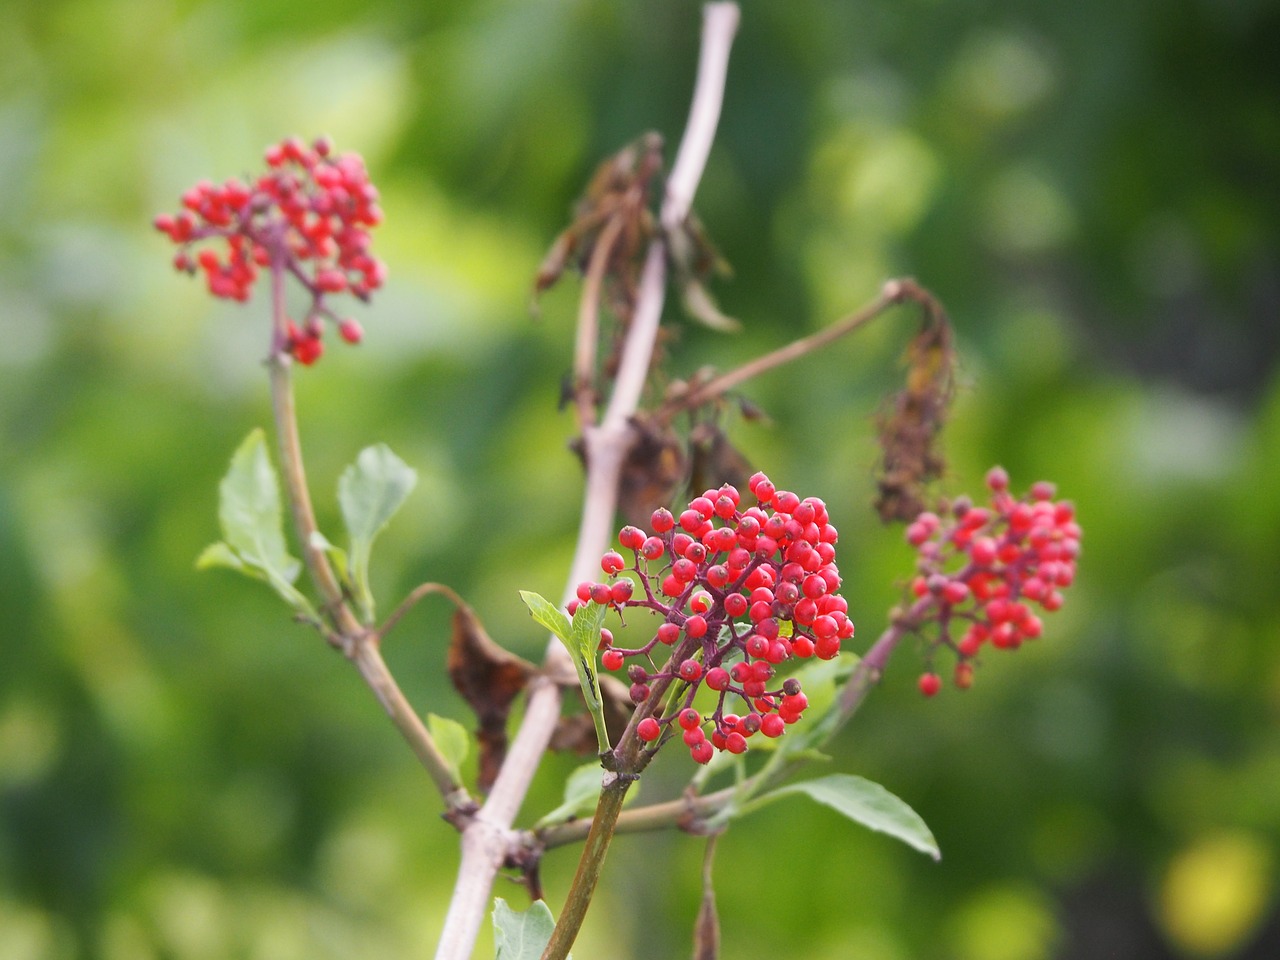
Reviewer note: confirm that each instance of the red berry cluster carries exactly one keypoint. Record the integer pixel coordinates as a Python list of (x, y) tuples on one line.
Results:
[(740, 591), (984, 570), (308, 215)]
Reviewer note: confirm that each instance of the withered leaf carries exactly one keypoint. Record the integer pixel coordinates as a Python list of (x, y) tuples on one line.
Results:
[(576, 733), (715, 461), (750, 411), (654, 470), (619, 192), (913, 418), (695, 260), (489, 678)]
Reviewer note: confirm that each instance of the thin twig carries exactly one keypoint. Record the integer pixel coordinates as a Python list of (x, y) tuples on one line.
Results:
[(409, 602), (289, 445), (717, 387)]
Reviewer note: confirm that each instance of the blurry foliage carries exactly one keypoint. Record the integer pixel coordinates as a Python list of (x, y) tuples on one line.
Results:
[(1090, 190)]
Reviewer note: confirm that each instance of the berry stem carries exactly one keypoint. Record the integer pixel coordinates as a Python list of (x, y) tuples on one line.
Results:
[(358, 644)]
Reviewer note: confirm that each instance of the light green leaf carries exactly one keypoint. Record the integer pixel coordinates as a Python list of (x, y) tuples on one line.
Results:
[(220, 555), (581, 791), (337, 556), (250, 512), (867, 803), (452, 739), (521, 936), (370, 491), (587, 621), (252, 521), (549, 615), (822, 681), (580, 636)]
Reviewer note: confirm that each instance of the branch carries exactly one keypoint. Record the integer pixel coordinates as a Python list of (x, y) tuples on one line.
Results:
[(488, 838), (358, 644)]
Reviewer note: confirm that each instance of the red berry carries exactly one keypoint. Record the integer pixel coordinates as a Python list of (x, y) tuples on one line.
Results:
[(307, 350), (350, 331), (717, 678), (772, 725), (827, 648), (648, 729), (930, 684), (702, 752), (611, 659), (690, 718), (696, 626)]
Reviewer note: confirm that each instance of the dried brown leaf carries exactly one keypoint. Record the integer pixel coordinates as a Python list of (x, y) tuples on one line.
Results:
[(620, 189), (910, 425), (714, 460), (489, 678), (655, 468)]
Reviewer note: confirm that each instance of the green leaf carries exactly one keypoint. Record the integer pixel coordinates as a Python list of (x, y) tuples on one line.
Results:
[(580, 636), (867, 803), (822, 681), (549, 615), (452, 739), (581, 791), (252, 521), (220, 555), (250, 512), (587, 621), (370, 491), (337, 556), (521, 936), (585, 633)]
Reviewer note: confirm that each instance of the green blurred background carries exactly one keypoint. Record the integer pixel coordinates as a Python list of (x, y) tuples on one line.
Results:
[(1092, 190)]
